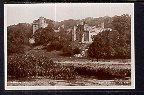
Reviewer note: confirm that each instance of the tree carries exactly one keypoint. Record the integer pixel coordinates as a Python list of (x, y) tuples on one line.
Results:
[(15, 42), (110, 45), (44, 35), (121, 23), (24, 29), (95, 49), (113, 44)]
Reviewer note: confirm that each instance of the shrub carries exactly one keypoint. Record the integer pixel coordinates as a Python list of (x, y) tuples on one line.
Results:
[(76, 50), (54, 45), (21, 65), (103, 72), (29, 65), (67, 51)]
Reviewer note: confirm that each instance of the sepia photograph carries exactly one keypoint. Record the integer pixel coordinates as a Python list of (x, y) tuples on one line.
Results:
[(69, 46)]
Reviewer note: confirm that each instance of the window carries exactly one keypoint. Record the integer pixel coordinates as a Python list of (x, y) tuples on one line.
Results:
[(92, 37)]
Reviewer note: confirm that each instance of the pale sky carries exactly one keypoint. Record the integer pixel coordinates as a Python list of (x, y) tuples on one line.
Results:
[(27, 13)]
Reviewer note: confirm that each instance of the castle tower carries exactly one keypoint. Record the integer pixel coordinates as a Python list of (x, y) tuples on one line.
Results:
[(82, 23), (74, 34), (85, 27), (82, 39), (102, 25), (42, 22), (90, 39), (35, 27)]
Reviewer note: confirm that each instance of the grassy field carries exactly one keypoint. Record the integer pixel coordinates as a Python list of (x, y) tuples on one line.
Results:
[(38, 67)]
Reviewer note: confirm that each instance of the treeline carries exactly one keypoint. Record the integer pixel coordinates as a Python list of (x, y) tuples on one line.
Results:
[(113, 44), (107, 44), (89, 20)]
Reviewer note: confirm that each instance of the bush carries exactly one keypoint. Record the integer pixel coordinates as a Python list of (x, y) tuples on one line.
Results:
[(20, 66), (67, 51), (70, 51), (28, 65), (76, 50), (104, 72), (54, 45)]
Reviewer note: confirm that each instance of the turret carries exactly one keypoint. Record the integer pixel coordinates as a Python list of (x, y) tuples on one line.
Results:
[(41, 22), (102, 25), (74, 33)]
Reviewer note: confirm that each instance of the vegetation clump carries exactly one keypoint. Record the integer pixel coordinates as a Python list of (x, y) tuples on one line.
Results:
[(115, 44), (26, 65)]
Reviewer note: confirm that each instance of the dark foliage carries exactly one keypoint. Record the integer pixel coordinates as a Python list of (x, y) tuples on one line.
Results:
[(76, 50), (18, 37), (15, 42), (20, 66), (68, 51), (103, 72), (27, 66), (43, 36), (25, 30), (113, 44), (54, 45)]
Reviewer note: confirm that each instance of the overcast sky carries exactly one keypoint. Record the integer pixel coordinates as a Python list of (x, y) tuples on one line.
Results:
[(26, 13)]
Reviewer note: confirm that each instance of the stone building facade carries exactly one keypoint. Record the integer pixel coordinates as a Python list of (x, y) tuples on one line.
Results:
[(40, 23), (84, 33)]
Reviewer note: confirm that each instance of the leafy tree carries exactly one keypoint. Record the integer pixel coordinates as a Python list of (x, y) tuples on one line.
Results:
[(24, 29), (113, 44), (44, 36), (121, 23), (95, 49), (15, 42)]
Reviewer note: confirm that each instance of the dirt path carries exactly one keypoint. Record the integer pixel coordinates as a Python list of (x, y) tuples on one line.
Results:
[(78, 82)]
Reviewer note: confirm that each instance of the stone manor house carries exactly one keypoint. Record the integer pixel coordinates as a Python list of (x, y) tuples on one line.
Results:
[(83, 33)]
